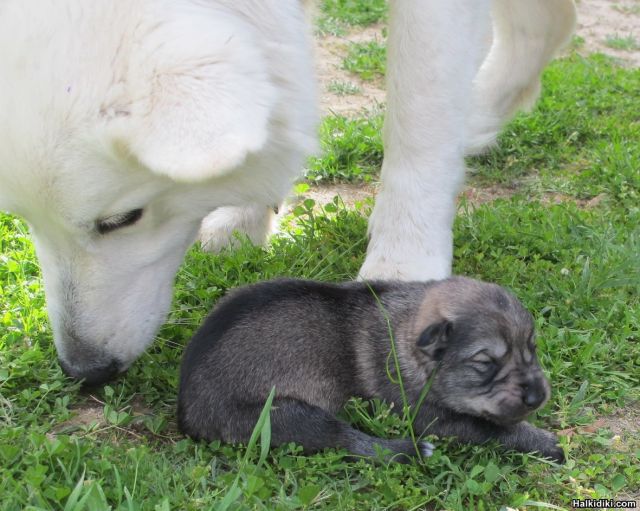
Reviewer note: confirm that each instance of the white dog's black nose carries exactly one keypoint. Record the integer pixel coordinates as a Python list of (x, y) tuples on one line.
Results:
[(95, 375)]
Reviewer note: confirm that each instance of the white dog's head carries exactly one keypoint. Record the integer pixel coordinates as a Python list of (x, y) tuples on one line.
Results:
[(121, 126)]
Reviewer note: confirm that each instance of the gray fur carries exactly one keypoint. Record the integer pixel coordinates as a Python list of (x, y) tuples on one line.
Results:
[(320, 344)]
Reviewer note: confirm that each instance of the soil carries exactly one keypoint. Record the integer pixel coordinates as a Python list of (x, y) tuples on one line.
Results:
[(89, 416), (349, 193), (330, 50), (624, 421), (600, 19), (597, 20)]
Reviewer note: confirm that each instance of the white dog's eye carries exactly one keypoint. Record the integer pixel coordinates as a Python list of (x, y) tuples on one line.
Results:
[(109, 224)]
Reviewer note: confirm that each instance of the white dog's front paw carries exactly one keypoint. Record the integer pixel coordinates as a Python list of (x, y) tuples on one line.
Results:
[(218, 228), (410, 238), (379, 266)]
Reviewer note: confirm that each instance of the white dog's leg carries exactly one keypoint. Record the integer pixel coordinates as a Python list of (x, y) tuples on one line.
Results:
[(526, 36), (432, 58), (216, 231)]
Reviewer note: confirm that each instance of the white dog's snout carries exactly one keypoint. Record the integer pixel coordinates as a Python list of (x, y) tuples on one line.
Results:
[(92, 375), (79, 359)]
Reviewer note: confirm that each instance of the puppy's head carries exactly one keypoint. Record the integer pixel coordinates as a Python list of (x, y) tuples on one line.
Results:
[(483, 340)]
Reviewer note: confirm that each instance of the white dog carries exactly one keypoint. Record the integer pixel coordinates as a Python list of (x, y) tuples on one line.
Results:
[(122, 124), (446, 97)]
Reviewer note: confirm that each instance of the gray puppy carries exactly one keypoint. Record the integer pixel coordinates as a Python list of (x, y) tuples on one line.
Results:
[(320, 344)]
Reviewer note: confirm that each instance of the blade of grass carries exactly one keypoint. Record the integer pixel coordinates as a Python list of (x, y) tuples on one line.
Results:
[(262, 429)]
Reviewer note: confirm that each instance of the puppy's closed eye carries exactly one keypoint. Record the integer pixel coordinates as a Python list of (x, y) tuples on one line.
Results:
[(485, 366)]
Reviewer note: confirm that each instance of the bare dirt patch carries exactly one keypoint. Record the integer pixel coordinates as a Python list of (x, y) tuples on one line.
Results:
[(87, 414), (623, 424), (330, 51), (476, 196), (350, 194), (561, 198), (624, 421), (359, 193), (601, 19), (597, 21), (89, 418)]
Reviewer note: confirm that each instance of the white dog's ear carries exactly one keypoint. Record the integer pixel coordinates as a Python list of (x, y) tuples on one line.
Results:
[(201, 96)]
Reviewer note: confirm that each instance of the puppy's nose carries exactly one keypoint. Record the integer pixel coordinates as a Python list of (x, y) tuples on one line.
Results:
[(532, 395)]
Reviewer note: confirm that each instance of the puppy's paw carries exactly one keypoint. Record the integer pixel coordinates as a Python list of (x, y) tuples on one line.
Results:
[(550, 447), (526, 437), (426, 449), (403, 450), (557, 455), (543, 442)]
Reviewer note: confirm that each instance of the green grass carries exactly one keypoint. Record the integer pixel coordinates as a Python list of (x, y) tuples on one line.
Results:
[(576, 268), (353, 12), (628, 43), (587, 312), (343, 88), (330, 26), (580, 140), (366, 60), (577, 42), (351, 150), (628, 9)]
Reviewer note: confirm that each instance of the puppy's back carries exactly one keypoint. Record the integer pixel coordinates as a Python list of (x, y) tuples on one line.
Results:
[(291, 334)]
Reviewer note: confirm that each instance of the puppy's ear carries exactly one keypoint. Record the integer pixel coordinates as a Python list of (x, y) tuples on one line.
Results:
[(433, 339), (200, 94)]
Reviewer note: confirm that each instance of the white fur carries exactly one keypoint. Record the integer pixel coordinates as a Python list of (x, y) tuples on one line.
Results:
[(526, 36), (429, 76), (440, 106), (174, 106), (219, 228), (180, 107)]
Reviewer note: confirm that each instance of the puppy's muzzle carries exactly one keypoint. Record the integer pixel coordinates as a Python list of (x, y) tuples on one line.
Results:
[(534, 393)]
